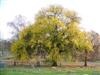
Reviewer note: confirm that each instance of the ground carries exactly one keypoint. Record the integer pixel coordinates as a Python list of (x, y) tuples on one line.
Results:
[(67, 69), (51, 71)]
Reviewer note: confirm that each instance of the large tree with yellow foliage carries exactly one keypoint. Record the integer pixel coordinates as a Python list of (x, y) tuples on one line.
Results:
[(56, 32)]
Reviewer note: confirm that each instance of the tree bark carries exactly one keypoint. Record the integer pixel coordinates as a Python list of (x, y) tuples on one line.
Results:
[(85, 59)]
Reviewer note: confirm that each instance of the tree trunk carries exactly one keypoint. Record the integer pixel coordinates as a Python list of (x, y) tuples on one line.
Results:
[(14, 63), (85, 59), (38, 63), (54, 63)]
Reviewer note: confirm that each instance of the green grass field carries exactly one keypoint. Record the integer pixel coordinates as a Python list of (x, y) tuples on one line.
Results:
[(50, 71)]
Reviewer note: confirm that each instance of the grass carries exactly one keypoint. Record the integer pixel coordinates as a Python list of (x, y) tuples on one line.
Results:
[(50, 71)]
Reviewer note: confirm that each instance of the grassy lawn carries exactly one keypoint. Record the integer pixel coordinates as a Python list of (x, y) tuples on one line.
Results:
[(50, 71)]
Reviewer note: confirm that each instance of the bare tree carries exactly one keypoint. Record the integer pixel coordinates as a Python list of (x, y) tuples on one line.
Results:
[(17, 24)]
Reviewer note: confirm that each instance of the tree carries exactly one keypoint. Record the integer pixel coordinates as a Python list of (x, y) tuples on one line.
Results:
[(95, 39), (86, 45), (4, 47), (56, 32), (22, 45), (17, 24), (59, 19)]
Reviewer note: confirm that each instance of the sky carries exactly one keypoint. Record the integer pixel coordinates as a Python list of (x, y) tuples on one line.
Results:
[(88, 10)]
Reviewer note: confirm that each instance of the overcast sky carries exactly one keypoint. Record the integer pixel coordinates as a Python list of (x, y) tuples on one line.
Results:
[(88, 10)]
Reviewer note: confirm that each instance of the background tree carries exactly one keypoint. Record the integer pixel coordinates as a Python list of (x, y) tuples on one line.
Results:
[(5, 48), (95, 38), (86, 45), (17, 24)]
